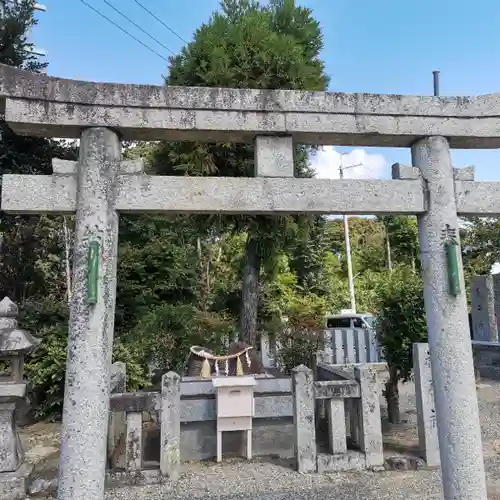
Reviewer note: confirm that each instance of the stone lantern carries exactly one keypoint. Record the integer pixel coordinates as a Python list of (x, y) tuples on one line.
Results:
[(14, 345)]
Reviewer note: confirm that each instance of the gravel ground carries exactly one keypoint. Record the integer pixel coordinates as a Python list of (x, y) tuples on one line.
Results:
[(269, 482), (262, 480)]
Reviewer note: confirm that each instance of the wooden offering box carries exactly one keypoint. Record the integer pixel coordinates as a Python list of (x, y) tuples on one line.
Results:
[(235, 408)]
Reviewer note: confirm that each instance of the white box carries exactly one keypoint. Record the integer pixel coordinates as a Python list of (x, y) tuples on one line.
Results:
[(235, 408)]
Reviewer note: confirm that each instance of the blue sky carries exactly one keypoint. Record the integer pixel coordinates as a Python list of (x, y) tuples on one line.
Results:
[(385, 46)]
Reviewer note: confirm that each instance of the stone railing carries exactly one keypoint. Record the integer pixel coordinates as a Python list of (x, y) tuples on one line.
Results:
[(352, 345), (424, 396), (343, 346), (134, 406), (184, 426), (331, 423), (350, 396)]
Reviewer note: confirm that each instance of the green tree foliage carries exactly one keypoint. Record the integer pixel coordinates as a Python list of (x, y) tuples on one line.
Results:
[(401, 238), (31, 249), (15, 24), (260, 47), (400, 323), (24, 262), (480, 238)]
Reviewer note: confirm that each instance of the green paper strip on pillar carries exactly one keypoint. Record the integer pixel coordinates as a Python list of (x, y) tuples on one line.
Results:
[(451, 248), (92, 272)]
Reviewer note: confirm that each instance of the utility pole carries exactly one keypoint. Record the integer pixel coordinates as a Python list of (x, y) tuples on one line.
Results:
[(350, 277), (387, 246)]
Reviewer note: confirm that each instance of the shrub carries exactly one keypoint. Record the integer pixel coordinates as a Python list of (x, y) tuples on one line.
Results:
[(400, 323), (165, 334), (45, 372), (303, 334)]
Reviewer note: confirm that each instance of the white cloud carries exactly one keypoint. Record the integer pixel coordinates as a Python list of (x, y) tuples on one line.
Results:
[(326, 163), (495, 268)]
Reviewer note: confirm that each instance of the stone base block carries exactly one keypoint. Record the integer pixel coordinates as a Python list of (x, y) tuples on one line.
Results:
[(341, 462), (14, 485), (404, 463), (116, 479)]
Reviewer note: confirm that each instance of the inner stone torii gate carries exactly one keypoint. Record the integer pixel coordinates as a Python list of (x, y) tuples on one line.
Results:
[(100, 186)]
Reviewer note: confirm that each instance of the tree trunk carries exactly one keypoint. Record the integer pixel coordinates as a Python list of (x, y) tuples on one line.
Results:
[(250, 292), (204, 281), (391, 394)]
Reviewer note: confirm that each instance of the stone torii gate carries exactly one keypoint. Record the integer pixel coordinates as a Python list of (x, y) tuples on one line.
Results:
[(100, 186)]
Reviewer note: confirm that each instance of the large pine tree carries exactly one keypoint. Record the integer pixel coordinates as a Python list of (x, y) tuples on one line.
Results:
[(249, 45)]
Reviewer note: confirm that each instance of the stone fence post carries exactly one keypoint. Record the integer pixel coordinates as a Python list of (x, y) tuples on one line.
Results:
[(117, 420), (170, 425), (327, 347), (265, 351), (303, 419), (426, 412), (370, 432)]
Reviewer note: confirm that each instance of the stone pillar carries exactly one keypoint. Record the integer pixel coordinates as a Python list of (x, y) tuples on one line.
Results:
[(265, 350), (278, 360), (303, 419), (338, 347), (370, 422), (352, 409), (274, 156), (117, 420), (484, 323), (328, 345), (496, 296), (449, 340), (11, 455), (133, 447), (348, 343), (336, 425), (170, 451), (90, 341), (426, 407)]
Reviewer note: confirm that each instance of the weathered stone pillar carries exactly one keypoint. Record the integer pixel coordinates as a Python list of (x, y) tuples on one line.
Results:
[(117, 420), (449, 340), (274, 156), (335, 410), (426, 406), (303, 419), (328, 345), (90, 340), (482, 297), (170, 448), (496, 298), (369, 423), (265, 350)]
